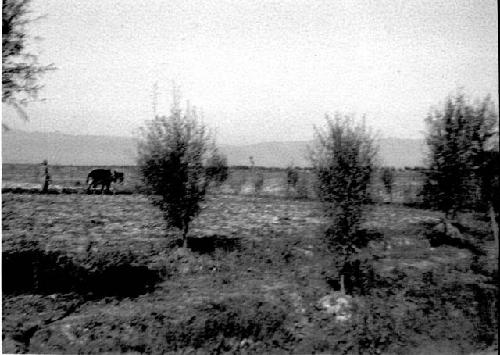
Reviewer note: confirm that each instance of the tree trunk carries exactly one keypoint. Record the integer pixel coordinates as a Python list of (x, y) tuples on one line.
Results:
[(494, 225)]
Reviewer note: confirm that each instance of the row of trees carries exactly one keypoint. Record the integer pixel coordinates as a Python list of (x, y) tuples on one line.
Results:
[(463, 154), (176, 152)]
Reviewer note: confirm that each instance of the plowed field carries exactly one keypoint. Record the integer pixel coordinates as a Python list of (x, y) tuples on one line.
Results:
[(260, 296)]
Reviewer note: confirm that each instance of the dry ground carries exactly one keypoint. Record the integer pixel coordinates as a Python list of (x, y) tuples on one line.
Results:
[(260, 296)]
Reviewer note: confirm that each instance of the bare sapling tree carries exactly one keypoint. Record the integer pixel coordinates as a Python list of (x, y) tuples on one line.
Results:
[(343, 158), (172, 153), (21, 71), (458, 136)]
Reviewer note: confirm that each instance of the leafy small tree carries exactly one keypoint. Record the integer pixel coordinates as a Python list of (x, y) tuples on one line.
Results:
[(172, 153), (458, 135), (21, 71), (217, 170), (343, 159), (388, 180)]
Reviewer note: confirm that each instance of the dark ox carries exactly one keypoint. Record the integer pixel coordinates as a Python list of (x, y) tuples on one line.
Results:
[(103, 177)]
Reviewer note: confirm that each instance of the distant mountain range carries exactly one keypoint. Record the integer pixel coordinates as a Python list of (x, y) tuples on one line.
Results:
[(65, 149)]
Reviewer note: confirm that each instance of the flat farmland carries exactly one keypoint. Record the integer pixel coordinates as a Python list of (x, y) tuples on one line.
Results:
[(62, 175), (241, 181), (109, 277)]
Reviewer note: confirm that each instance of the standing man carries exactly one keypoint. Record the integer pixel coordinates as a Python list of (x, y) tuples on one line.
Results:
[(45, 187)]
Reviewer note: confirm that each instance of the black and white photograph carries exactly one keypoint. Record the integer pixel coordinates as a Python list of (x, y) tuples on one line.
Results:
[(250, 177)]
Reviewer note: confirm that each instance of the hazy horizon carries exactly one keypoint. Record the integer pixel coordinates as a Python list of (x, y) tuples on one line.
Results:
[(19, 147), (218, 143), (259, 72)]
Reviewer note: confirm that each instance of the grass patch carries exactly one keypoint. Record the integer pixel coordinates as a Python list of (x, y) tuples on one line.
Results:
[(230, 324)]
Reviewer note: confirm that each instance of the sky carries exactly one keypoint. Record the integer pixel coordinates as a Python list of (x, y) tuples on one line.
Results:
[(258, 70)]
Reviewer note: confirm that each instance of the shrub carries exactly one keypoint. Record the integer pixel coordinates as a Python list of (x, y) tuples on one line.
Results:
[(233, 324), (440, 306)]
